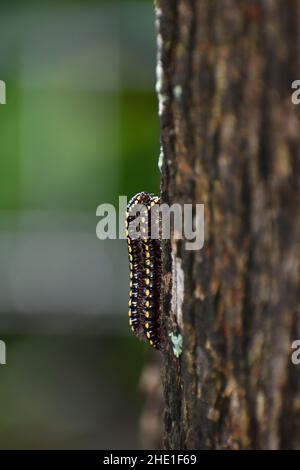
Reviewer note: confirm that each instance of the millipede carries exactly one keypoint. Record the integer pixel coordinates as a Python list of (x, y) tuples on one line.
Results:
[(144, 253)]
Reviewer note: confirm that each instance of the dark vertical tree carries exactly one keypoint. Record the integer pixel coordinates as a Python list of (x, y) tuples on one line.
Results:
[(230, 139)]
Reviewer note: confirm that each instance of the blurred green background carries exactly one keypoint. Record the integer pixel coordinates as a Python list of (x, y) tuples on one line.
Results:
[(79, 129)]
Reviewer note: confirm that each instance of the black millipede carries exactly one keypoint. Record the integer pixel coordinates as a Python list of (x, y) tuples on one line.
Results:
[(145, 267)]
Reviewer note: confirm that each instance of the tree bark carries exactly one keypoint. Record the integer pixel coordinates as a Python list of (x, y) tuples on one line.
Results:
[(230, 139)]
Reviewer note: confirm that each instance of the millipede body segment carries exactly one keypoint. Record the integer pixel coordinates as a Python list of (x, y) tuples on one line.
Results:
[(145, 268)]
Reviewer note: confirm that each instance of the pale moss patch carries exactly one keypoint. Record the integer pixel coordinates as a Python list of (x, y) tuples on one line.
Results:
[(177, 344)]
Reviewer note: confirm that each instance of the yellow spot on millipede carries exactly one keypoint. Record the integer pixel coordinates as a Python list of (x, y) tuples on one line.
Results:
[(131, 275), (147, 281), (148, 334), (147, 292), (129, 303), (151, 342), (147, 314), (147, 254), (129, 313), (129, 249), (132, 329), (147, 271), (147, 303), (147, 325)]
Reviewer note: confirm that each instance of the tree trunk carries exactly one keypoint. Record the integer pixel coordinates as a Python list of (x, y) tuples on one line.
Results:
[(230, 139)]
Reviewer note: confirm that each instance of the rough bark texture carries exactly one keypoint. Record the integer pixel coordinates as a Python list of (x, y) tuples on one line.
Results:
[(230, 139)]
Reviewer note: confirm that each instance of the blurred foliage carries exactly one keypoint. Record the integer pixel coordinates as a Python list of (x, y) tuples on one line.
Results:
[(139, 144), (70, 392), (66, 149)]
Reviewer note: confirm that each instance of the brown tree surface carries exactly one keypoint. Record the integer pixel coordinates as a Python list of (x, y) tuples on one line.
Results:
[(230, 139)]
